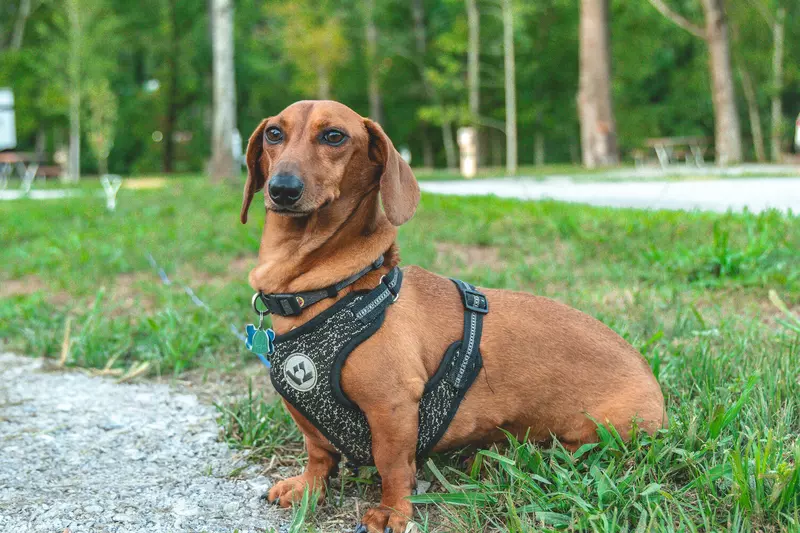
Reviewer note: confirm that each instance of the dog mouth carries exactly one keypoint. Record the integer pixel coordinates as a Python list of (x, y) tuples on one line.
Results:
[(289, 212), (298, 212)]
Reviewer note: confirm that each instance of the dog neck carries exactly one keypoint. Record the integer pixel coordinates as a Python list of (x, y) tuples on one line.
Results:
[(308, 253)]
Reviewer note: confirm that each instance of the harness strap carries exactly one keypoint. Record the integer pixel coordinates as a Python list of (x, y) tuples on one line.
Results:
[(294, 304), (379, 298), (458, 370), (467, 360)]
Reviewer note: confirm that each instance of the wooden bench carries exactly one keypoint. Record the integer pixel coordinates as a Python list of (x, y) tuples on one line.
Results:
[(672, 149), (49, 171), (27, 166)]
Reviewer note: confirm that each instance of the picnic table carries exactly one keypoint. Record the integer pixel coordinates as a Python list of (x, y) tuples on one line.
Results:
[(672, 149), (28, 168)]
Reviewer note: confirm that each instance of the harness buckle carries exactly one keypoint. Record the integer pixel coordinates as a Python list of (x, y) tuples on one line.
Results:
[(475, 301)]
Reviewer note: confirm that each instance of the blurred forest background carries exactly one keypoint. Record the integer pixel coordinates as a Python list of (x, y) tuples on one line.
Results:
[(420, 67)]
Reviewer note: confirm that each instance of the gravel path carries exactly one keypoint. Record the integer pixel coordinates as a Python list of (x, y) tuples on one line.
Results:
[(88, 455), (720, 195)]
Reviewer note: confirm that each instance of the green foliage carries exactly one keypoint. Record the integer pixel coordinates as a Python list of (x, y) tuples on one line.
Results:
[(263, 426), (660, 83)]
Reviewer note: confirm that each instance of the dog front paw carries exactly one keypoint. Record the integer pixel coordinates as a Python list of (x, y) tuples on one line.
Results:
[(383, 520), (290, 491)]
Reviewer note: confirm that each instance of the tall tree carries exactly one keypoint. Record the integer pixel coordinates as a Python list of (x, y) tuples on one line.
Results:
[(510, 87), (74, 77), (19, 24), (752, 111), (431, 92), (474, 68), (173, 77), (373, 84), (778, 32), (598, 127), (223, 165), (727, 131), (102, 121), (774, 14)]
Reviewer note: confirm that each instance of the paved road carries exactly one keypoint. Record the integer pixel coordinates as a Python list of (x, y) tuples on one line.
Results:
[(720, 195)]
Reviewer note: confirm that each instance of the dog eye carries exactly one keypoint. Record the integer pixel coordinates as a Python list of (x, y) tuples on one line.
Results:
[(334, 137), (274, 135)]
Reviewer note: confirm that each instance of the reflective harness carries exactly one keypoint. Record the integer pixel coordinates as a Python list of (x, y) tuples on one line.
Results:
[(307, 363)]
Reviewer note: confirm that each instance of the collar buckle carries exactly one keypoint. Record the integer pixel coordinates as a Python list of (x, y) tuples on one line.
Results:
[(283, 304)]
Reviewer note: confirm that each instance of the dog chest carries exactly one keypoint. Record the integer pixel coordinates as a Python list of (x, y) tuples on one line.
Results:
[(307, 364)]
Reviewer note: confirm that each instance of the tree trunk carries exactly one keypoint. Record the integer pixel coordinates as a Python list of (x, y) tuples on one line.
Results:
[(222, 164), (727, 136), (510, 87), (374, 90), (755, 117), (19, 25), (41, 145), (171, 116), (74, 74), (598, 128), (427, 147), (495, 147), (449, 145), (538, 149), (421, 46), (777, 83), (473, 70), (323, 83)]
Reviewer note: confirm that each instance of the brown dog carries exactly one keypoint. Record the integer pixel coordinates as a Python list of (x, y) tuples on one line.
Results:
[(548, 370)]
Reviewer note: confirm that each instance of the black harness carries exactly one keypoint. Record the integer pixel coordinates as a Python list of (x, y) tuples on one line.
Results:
[(307, 364)]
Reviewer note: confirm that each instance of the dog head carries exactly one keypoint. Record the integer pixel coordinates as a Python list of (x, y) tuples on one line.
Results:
[(320, 155)]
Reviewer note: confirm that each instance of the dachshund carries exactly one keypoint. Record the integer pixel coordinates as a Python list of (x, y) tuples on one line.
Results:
[(336, 192)]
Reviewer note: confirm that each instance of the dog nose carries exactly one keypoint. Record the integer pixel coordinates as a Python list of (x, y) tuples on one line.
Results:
[(285, 189)]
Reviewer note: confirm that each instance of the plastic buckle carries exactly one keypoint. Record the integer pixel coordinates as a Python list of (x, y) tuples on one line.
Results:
[(283, 304), (475, 301)]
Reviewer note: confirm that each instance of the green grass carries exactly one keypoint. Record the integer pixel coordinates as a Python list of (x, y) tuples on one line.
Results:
[(690, 290)]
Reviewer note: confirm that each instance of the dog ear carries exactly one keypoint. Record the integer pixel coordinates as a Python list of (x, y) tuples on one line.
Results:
[(257, 168), (399, 188)]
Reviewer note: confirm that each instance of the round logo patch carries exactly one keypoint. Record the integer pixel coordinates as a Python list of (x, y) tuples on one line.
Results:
[(300, 372)]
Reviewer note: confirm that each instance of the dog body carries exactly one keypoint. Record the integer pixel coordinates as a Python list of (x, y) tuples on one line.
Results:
[(548, 370)]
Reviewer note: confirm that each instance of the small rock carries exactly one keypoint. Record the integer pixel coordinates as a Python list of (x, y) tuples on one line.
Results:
[(123, 518), (231, 508), (423, 486), (184, 508), (94, 509)]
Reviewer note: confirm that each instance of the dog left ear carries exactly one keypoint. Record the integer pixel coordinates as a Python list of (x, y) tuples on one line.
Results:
[(257, 169), (399, 187)]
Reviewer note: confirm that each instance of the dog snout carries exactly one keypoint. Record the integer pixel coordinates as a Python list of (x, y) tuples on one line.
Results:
[(285, 189)]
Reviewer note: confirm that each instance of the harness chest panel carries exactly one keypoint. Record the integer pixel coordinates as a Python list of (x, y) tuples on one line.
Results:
[(307, 363)]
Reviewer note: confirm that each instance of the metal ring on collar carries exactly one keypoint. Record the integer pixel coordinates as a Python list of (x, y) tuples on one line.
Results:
[(257, 297)]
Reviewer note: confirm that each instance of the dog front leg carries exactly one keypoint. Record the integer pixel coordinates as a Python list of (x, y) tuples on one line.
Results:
[(394, 448), (321, 463)]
